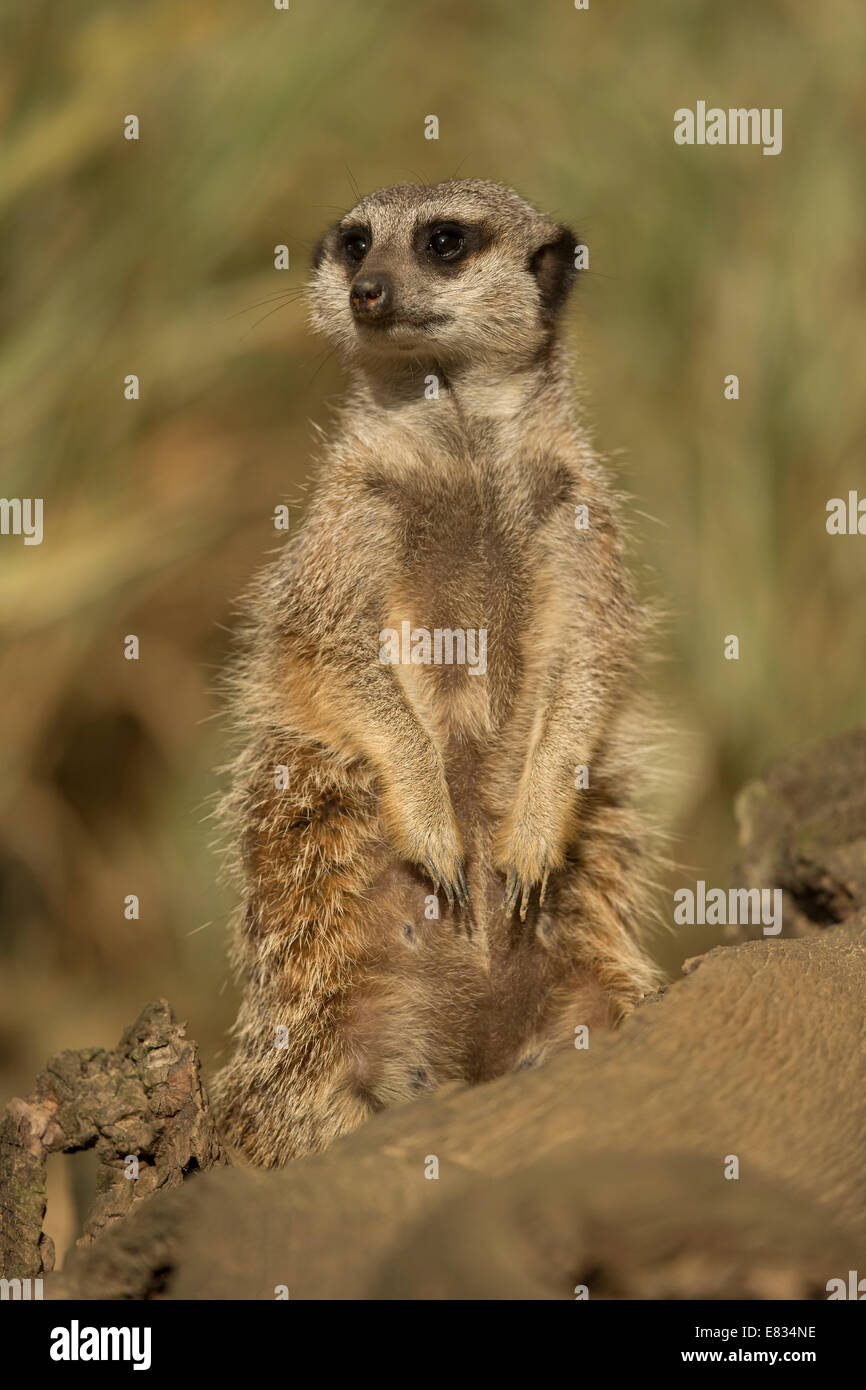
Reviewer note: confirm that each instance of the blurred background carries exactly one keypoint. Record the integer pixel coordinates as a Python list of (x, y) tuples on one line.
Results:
[(155, 257)]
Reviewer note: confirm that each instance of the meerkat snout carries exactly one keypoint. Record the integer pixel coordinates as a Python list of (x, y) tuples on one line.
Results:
[(371, 297)]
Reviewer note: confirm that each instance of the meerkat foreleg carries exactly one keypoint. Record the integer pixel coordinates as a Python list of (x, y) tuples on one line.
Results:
[(543, 819), (379, 721), (579, 657)]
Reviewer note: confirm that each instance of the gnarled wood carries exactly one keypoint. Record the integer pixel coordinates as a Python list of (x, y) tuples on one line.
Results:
[(144, 1099)]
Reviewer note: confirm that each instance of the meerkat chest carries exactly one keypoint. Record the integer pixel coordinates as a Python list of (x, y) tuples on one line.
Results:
[(459, 600)]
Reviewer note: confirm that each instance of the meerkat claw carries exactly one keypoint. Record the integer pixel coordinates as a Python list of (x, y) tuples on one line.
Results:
[(453, 886), (543, 891), (524, 901), (462, 889), (433, 872), (519, 890)]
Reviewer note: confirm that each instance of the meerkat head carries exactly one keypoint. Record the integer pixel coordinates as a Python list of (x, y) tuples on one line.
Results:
[(460, 272)]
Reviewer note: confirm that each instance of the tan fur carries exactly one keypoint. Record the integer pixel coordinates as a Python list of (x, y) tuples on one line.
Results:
[(456, 512)]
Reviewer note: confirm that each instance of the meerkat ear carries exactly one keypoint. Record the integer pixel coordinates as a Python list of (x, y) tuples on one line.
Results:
[(553, 266)]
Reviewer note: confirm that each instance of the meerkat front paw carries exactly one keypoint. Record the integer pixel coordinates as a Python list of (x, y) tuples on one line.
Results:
[(425, 831), (446, 871), (530, 854), (519, 883), (441, 854)]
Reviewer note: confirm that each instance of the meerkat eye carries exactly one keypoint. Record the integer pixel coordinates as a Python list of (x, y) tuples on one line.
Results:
[(447, 242), (355, 246)]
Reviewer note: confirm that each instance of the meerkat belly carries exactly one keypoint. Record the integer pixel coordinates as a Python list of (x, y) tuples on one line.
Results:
[(455, 620)]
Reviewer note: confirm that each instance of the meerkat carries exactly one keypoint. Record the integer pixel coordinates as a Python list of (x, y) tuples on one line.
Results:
[(444, 867)]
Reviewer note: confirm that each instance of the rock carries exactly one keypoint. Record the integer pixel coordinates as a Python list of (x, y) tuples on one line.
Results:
[(803, 829), (603, 1167)]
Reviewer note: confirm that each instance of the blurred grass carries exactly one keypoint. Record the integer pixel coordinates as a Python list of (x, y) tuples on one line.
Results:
[(122, 257)]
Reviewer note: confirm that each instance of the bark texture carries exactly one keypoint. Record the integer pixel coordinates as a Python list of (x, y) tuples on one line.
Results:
[(144, 1100)]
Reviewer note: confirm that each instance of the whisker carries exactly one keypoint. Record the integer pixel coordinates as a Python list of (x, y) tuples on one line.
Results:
[(275, 310), (329, 353), (419, 178), (352, 182), (287, 297)]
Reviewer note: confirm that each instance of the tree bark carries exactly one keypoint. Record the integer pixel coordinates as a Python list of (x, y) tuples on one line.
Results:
[(142, 1107)]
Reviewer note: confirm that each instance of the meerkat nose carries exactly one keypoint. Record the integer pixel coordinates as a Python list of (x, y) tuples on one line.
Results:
[(370, 296)]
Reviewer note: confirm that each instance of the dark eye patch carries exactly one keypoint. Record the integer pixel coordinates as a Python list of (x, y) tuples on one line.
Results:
[(447, 243), (355, 242)]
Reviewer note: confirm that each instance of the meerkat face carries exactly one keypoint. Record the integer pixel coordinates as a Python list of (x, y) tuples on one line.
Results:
[(460, 272)]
